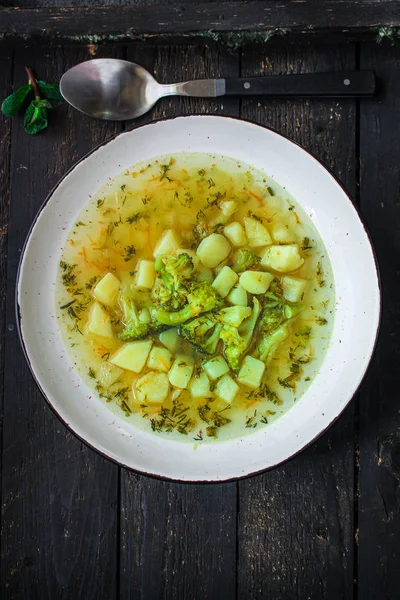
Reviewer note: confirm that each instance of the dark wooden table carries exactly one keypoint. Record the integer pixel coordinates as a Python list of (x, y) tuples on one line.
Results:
[(325, 525)]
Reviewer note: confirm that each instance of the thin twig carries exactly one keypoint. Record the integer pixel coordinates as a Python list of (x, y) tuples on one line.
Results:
[(33, 82)]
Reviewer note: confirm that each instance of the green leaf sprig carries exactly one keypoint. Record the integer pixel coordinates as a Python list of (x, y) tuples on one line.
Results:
[(36, 115)]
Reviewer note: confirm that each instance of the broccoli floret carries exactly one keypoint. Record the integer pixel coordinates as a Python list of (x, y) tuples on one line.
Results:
[(180, 266), (234, 346), (133, 328), (269, 344), (245, 260), (203, 332), (201, 298), (271, 319), (167, 296), (274, 296), (171, 284), (237, 340)]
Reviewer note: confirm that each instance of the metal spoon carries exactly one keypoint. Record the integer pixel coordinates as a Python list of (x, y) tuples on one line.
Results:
[(118, 90)]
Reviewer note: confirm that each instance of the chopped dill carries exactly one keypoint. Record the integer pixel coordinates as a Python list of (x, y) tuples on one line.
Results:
[(133, 218), (320, 276), (254, 216), (320, 320), (164, 170), (251, 421), (212, 431), (92, 281), (129, 252), (306, 244), (67, 305)]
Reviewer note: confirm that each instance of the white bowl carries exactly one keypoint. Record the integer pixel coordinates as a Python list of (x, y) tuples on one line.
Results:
[(355, 326)]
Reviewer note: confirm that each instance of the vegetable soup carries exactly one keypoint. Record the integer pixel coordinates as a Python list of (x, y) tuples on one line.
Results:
[(195, 297)]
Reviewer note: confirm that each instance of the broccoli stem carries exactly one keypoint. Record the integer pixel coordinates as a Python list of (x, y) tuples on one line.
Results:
[(174, 318)]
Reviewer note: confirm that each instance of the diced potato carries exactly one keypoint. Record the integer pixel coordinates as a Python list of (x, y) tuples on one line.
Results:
[(281, 233), (191, 253), (181, 371), (199, 386), (99, 322), (224, 281), (168, 244), (171, 340), (255, 282), (251, 372), (144, 316), (216, 367), (204, 273), (257, 234), (213, 250), (235, 233), (234, 315), (238, 296), (293, 288), (108, 374), (132, 356), (228, 207), (152, 388), (226, 389), (146, 274), (106, 291), (160, 359), (283, 258)]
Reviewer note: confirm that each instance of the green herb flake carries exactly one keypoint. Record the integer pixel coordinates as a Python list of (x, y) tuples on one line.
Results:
[(320, 320), (133, 218), (129, 252)]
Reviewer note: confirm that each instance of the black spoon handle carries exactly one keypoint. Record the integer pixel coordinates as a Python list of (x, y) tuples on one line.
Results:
[(308, 85)]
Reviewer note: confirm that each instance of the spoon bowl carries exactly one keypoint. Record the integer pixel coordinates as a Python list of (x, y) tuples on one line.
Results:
[(110, 89)]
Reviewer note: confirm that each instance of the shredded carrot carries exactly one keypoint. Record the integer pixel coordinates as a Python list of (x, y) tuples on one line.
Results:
[(296, 216), (258, 198), (164, 364), (149, 244)]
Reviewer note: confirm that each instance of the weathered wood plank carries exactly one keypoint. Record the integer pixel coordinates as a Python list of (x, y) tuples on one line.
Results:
[(296, 522), (177, 540), (6, 67), (379, 459), (59, 499), (131, 21)]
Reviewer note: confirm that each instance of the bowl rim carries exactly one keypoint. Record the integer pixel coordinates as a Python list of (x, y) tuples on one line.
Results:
[(104, 454)]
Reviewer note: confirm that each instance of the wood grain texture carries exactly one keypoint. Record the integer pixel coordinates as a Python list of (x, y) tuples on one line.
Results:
[(296, 522), (379, 459), (178, 541), (6, 63), (306, 17), (59, 499)]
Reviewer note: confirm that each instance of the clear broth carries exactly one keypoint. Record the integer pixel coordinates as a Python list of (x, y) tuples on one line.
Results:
[(122, 223)]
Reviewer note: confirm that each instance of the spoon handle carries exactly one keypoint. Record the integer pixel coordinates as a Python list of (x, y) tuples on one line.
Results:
[(321, 85)]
